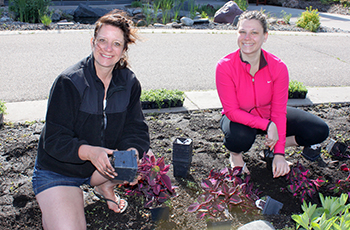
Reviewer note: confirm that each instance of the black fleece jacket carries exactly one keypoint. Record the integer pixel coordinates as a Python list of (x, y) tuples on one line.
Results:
[(75, 116)]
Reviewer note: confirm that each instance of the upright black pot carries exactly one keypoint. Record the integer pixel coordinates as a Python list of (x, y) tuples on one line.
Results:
[(182, 156)]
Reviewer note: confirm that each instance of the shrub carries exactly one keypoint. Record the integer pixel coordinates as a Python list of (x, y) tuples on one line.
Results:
[(46, 19), (242, 4), (309, 20), (2, 107), (136, 4), (29, 10)]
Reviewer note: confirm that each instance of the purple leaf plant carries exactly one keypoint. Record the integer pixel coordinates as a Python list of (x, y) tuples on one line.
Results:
[(300, 184), (154, 185), (343, 186), (223, 190)]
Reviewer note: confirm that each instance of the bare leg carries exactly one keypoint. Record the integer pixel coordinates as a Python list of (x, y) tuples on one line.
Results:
[(62, 207), (105, 187), (236, 159), (290, 141)]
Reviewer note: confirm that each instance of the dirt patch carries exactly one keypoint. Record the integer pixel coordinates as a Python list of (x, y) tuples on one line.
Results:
[(18, 144)]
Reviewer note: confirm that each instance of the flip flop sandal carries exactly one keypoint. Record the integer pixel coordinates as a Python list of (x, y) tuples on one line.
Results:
[(99, 196)]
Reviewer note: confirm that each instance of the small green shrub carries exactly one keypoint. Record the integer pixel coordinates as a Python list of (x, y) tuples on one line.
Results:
[(46, 19), (136, 4), (29, 10), (2, 107), (309, 20), (242, 4), (286, 17)]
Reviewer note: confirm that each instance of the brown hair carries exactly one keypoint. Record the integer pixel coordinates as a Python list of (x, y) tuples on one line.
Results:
[(257, 15), (116, 19)]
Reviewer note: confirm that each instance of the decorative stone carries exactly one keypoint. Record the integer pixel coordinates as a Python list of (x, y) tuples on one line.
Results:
[(176, 25), (227, 13), (141, 23), (186, 21), (272, 21), (5, 19), (84, 11), (158, 25)]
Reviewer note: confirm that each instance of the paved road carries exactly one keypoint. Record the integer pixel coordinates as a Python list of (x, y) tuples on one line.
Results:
[(172, 59)]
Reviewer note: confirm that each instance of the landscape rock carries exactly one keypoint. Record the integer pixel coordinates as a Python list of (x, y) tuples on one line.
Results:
[(85, 11), (201, 20), (186, 21), (227, 13)]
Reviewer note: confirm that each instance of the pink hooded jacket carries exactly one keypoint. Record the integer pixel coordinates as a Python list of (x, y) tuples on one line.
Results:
[(254, 100)]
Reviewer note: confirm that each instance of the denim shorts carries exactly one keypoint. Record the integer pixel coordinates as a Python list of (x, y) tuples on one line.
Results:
[(45, 179)]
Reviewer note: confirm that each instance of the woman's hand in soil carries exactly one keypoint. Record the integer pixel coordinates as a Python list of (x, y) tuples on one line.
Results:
[(280, 166), (272, 136), (99, 158)]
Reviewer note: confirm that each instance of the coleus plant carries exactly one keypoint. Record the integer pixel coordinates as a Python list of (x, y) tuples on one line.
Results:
[(343, 186), (223, 190), (154, 185), (300, 184)]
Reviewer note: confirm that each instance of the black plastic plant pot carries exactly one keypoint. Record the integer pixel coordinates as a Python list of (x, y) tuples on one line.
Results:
[(297, 95), (222, 225), (182, 150), (181, 169), (336, 148), (270, 206), (160, 213)]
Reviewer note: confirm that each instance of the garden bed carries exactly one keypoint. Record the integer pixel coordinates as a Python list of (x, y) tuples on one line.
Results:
[(18, 145)]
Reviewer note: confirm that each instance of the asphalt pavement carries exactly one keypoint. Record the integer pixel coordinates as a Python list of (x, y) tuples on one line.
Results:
[(174, 59)]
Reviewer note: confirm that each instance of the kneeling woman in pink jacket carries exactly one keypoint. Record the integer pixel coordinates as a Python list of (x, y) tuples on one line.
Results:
[(253, 88)]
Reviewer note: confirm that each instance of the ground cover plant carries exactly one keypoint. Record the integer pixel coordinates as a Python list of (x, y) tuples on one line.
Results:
[(18, 145)]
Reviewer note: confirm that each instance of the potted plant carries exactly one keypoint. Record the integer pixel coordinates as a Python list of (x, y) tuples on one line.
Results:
[(2, 112), (223, 191), (297, 90), (153, 185)]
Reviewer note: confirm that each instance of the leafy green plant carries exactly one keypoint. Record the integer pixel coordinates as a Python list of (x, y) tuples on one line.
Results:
[(147, 11), (2, 107), (242, 4), (300, 184), (136, 4), (334, 214), (208, 9), (286, 17), (161, 96), (224, 190), (29, 10), (309, 20), (296, 86), (46, 19)]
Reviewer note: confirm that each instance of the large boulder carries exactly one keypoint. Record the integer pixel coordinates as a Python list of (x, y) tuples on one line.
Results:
[(85, 11), (227, 13)]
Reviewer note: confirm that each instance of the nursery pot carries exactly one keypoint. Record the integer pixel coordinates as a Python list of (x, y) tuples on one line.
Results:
[(182, 156), (160, 213), (336, 148), (182, 150), (222, 225), (270, 206)]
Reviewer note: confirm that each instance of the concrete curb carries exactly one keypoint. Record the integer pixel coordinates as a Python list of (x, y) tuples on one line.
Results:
[(195, 100)]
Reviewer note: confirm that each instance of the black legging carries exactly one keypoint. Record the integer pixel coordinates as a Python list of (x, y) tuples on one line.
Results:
[(307, 128)]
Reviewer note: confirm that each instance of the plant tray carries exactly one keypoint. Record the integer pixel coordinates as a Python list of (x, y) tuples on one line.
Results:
[(297, 95), (182, 150), (164, 104)]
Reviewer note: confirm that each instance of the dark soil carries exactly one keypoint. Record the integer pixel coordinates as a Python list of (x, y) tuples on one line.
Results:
[(18, 144)]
